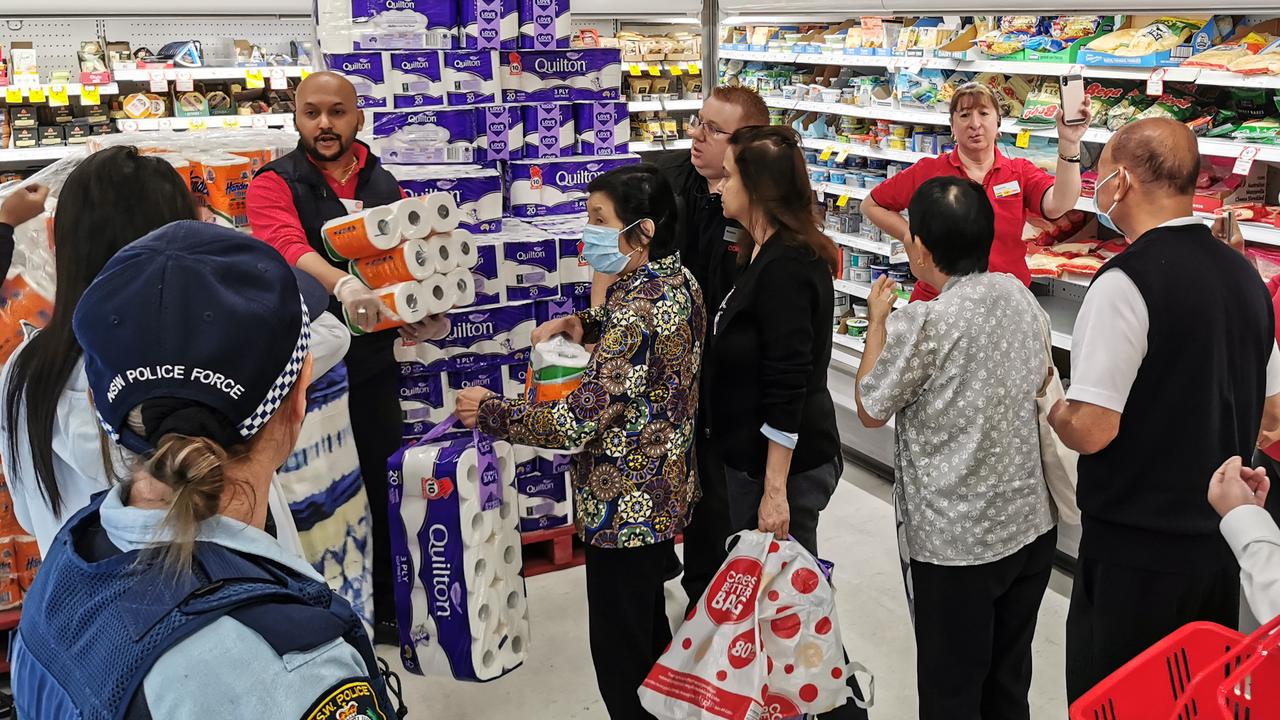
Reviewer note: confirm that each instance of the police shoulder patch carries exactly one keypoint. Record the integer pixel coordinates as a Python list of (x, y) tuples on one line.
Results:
[(349, 699)]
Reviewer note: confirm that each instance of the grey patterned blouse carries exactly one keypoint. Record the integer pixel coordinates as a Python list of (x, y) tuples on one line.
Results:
[(961, 373)]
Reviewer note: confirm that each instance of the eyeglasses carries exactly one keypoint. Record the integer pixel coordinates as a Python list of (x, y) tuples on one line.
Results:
[(696, 122)]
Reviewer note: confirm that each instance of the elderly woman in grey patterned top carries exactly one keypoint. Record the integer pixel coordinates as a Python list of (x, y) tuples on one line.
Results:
[(961, 374)]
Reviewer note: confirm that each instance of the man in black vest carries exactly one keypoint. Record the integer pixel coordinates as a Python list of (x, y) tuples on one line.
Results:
[(1174, 367), (329, 175)]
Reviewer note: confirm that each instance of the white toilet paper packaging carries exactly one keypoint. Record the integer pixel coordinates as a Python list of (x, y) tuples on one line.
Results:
[(427, 136), (477, 193), (530, 270), (417, 80), (587, 74), (354, 25), (544, 24), (573, 267), (502, 136), (369, 72), (488, 279), (514, 379), (489, 24), (545, 502), (459, 604), (557, 186), (604, 128), (549, 130), (471, 77)]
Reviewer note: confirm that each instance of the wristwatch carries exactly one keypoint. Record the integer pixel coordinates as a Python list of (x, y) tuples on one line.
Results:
[(1073, 159)]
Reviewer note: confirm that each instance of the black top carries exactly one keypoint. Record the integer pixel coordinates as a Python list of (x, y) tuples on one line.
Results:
[(6, 248), (768, 359), (1196, 401)]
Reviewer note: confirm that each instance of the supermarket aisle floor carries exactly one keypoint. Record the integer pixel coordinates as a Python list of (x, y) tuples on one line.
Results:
[(558, 683)]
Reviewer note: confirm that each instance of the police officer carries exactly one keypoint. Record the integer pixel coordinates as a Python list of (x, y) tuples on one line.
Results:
[(165, 597), (331, 174)]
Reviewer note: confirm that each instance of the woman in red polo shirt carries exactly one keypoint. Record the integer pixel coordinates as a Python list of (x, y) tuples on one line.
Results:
[(1014, 186)]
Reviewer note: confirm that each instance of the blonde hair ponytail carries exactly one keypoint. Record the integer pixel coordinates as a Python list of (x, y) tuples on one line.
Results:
[(193, 467)]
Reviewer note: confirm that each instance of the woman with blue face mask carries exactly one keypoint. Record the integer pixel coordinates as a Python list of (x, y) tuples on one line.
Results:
[(633, 418)]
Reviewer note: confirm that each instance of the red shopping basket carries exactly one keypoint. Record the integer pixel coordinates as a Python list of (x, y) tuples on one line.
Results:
[(1202, 670)]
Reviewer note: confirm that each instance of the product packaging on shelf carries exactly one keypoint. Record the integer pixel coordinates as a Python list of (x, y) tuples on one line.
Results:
[(476, 190), (549, 130), (369, 72), (354, 25), (603, 128), (417, 79), (503, 136), (489, 24), (471, 77), (544, 24), (561, 75), (545, 502), (426, 136), (530, 269), (557, 186)]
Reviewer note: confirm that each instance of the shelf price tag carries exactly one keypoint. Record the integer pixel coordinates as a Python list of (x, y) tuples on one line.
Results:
[(259, 121), (842, 155), (183, 82), (158, 83), (844, 200), (13, 95), (90, 94), (197, 124), (253, 80), (634, 69), (695, 68), (1155, 83), (655, 69), (306, 73), (35, 94), (278, 79), (826, 154), (677, 68), (165, 123), (822, 196), (1245, 161), (128, 125), (1024, 138), (58, 96)]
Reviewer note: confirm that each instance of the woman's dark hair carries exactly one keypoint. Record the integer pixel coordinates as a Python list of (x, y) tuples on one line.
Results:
[(953, 218), (112, 198), (774, 174), (639, 192)]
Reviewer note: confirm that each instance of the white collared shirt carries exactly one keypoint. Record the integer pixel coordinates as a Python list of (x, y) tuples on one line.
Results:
[(1254, 538)]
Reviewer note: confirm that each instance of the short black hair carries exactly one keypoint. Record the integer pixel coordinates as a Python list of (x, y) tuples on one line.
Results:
[(954, 219), (639, 192)]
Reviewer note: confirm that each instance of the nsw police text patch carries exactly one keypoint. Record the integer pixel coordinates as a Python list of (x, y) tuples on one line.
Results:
[(350, 699)]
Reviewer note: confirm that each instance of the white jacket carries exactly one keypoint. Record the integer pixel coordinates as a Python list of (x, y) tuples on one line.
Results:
[(1254, 538)]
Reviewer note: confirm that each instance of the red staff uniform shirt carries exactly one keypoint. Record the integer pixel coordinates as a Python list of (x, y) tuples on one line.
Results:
[(1014, 186)]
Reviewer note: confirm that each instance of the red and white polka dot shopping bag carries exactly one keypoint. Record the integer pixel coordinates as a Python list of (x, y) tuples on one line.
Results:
[(763, 643)]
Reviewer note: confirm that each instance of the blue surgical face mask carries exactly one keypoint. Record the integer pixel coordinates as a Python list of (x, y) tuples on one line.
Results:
[(600, 248), (1104, 218)]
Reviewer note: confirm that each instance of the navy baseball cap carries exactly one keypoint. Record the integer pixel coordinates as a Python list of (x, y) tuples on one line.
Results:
[(196, 312)]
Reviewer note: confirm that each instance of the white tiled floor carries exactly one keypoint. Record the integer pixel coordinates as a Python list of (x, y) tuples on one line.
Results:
[(856, 533)]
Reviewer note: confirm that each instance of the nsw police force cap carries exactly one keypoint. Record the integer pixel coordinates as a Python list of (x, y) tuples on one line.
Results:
[(197, 312)]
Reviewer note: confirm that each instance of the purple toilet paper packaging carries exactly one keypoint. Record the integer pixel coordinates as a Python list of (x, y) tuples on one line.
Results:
[(573, 267), (549, 130), (477, 192), (471, 77), (604, 128), (530, 269), (541, 188), (529, 76), (545, 502), (368, 72), (426, 136), (487, 275), (354, 25), (544, 24), (489, 24), (503, 133), (552, 309), (417, 79), (481, 337)]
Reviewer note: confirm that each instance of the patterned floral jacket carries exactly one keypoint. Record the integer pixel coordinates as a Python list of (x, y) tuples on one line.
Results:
[(634, 482)]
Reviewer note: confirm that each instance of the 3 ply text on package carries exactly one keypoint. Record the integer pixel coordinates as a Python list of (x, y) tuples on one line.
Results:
[(174, 372)]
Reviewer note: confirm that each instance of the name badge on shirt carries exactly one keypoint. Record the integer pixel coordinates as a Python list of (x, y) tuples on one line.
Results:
[(1008, 189), (731, 234), (353, 206)]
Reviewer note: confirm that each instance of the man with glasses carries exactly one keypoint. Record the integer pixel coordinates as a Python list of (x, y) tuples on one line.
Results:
[(707, 248)]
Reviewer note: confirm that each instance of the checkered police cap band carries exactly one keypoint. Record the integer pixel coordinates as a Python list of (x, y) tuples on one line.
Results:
[(283, 384)]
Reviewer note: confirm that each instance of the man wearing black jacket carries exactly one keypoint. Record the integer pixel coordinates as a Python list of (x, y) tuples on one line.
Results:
[(706, 241)]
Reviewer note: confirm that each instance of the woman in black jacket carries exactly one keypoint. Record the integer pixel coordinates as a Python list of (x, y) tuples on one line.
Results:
[(772, 417)]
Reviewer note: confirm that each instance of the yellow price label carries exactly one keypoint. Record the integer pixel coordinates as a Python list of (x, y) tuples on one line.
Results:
[(197, 124), (306, 73), (654, 70), (35, 94), (844, 200), (90, 95), (842, 155), (695, 68), (58, 96), (826, 154), (13, 95), (1024, 139), (634, 69), (254, 80), (676, 70)]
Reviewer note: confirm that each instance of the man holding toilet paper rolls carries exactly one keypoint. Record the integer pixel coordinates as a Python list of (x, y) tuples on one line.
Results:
[(329, 175)]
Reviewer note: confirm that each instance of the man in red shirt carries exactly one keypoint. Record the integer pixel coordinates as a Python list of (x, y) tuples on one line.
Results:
[(331, 174)]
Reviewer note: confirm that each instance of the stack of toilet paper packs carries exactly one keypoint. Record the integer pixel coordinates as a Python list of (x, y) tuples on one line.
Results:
[(460, 593), (411, 253)]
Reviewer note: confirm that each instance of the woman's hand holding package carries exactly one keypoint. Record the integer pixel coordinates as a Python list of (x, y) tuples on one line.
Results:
[(570, 327), (467, 405), (880, 301)]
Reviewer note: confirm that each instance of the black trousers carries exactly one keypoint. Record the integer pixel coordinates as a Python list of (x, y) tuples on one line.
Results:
[(627, 618), (1118, 610), (376, 427), (708, 528), (974, 627)]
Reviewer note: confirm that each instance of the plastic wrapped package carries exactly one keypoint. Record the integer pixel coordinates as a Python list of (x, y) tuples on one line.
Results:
[(1163, 35)]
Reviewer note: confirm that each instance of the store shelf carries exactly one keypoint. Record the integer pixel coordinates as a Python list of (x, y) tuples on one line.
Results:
[(849, 342), (48, 89), (859, 242), (207, 73), (197, 123), (1062, 317), (39, 154), (1253, 232), (664, 105), (861, 290), (866, 150), (638, 147), (852, 192)]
